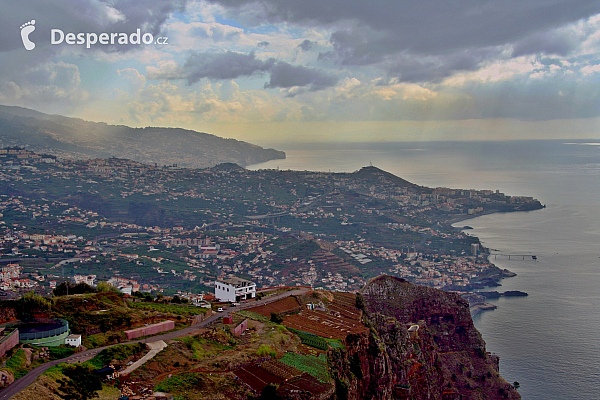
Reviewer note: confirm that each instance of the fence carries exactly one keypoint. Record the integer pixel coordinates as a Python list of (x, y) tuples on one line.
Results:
[(63, 328)]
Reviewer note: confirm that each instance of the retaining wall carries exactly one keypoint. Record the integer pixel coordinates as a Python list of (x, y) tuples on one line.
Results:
[(8, 342), (150, 329)]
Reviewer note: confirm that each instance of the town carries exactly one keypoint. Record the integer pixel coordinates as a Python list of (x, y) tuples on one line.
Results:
[(254, 278), (171, 230)]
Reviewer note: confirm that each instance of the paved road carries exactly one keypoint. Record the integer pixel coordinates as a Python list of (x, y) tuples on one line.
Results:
[(28, 379), (155, 348)]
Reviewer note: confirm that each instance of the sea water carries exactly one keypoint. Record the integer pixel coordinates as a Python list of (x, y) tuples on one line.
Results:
[(549, 341)]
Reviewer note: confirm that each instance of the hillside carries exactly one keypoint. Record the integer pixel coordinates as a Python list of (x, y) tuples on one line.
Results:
[(76, 138), (393, 340), (375, 175)]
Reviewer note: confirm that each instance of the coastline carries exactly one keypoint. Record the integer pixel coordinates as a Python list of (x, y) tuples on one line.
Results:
[(477, 304), (479, 308)]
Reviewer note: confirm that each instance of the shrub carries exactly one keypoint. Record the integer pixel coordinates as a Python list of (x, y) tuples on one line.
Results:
[(266, 350)]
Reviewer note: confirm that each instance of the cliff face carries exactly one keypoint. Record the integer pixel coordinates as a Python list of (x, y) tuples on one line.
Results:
[(422, 345)]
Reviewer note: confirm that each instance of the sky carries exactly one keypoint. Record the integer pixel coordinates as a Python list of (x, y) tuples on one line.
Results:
[(274, 71)]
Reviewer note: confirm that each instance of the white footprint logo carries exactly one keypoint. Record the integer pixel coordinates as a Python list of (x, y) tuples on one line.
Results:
[(26, 29)]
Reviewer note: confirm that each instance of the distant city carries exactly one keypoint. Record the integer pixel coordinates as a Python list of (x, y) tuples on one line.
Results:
[(171, 230)]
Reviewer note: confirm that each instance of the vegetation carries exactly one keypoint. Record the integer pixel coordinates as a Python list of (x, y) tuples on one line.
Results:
[(183, 382), (106, 287), (80, 383), (315, 366), (253, 315), (118, 353), (66, 288), (200, 386), (59, 352), (168, 308), (31, 304), (335, 343), (266, 350), (311, 340), (276, 318), (203, 347), (17, 363)]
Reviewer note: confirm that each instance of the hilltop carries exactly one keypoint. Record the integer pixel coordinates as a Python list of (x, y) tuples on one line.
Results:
[(378, 176), (77, 138)]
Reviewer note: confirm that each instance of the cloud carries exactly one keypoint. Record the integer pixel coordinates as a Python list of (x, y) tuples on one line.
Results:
[(263, 44), (49, 87), (232, 65), (427, 40), (284, 75), (83, 16), (424, 26), (306, 45), (590, 69), (229, 65)]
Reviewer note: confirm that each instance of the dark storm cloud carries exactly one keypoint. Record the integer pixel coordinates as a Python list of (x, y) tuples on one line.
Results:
[(229, 65), (428, 25), (435, 68), (556, 42), (442, 36), (306, 45), (82, 16), (284, 75)]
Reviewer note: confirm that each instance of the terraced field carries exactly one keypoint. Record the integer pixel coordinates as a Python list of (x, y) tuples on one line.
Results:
[(283, 306)]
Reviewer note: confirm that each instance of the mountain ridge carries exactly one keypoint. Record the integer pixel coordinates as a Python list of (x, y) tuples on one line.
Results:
[(77, 138)]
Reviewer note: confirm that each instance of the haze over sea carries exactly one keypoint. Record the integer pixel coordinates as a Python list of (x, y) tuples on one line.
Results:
[(549, 341)]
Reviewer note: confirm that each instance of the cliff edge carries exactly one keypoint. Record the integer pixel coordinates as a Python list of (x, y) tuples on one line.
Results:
[(421, 344)]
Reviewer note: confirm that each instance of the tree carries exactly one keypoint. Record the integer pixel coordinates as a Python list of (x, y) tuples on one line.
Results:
[(66, 288), (276, 318), (30, 304), (80, 384), (517, 385), (360, 301), (106, 287), (269, 392)]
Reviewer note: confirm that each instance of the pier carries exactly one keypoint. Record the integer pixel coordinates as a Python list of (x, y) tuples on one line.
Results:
[(533, 257)]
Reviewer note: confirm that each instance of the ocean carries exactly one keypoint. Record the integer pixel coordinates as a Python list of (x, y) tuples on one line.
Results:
[(549, 341)]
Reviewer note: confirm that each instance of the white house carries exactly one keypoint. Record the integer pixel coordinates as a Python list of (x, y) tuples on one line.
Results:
[(87, 279), (234, 289), (73, 340)]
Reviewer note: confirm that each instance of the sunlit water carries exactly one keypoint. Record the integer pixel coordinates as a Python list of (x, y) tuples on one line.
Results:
[(549, 341)]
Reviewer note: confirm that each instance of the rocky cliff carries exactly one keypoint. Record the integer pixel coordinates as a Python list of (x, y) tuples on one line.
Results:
[(421, 345)]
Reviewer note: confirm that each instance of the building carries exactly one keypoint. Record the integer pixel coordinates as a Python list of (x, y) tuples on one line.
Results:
[(10, 272), (87, 279), (73, 340), (234, 289)]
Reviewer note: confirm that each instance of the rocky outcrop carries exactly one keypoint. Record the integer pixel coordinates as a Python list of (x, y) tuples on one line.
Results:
[(6, 378), (421, 345)]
